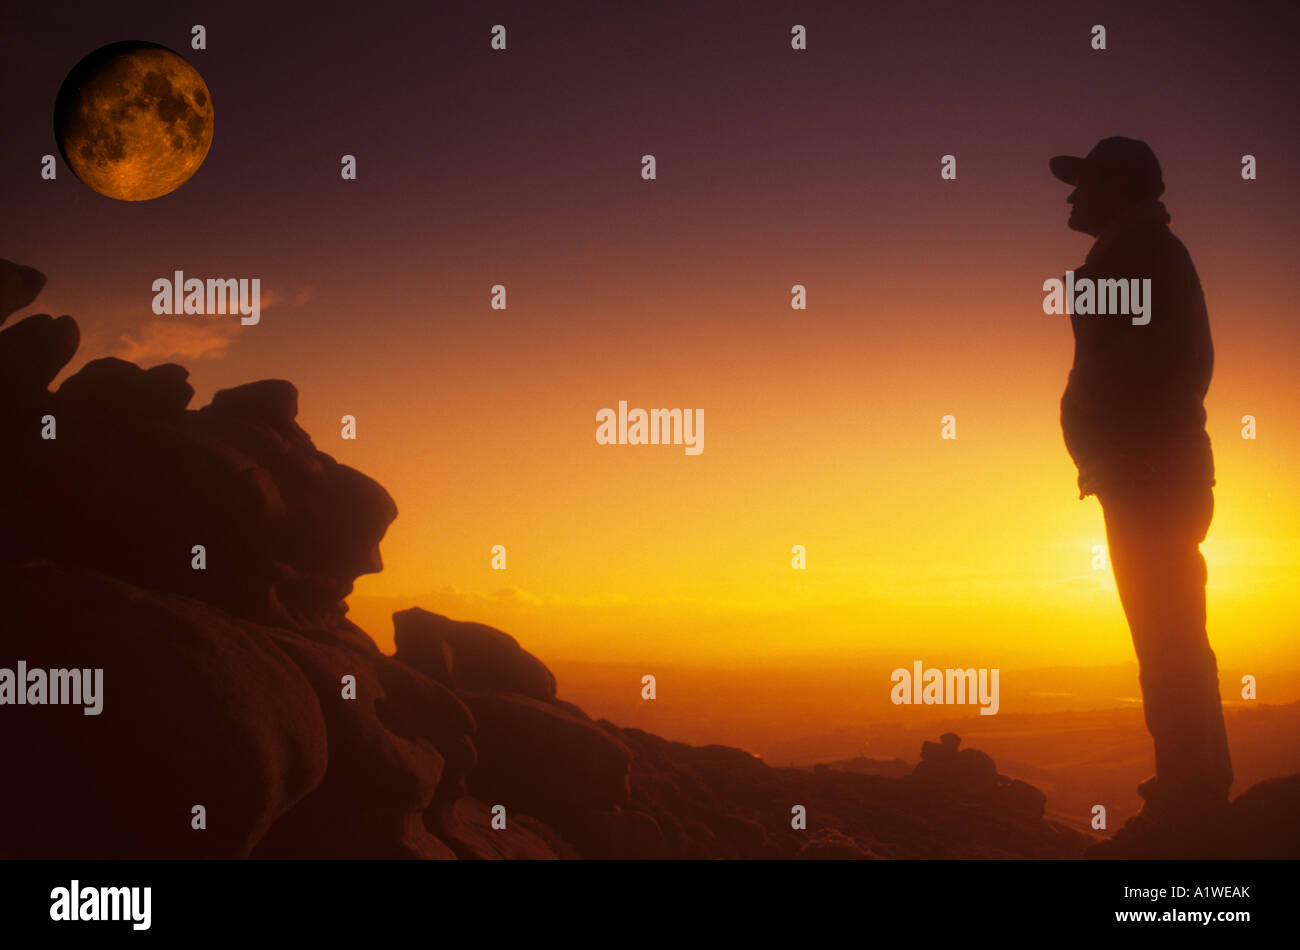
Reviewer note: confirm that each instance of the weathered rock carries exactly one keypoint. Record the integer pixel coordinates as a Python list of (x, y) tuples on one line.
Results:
[(32, 352), (132, 494), (19, 286), (482, 657), (541, 760), (1264, 819), (943, 750), (334, 516), (198, 709), (571, 709), (965, 770), (110, 385), (1026, 798), (467, 828), (273, 402), (285, 529), (746, 835), (619, 833), (393, 748)]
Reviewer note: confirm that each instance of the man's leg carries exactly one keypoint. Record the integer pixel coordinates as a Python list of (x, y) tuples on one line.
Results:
[(1153, 538)]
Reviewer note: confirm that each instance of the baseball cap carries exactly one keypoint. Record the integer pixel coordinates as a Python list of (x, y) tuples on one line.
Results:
[(1115, 155)]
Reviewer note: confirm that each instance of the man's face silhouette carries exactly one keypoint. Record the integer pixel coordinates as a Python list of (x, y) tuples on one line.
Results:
[(1097, 199)]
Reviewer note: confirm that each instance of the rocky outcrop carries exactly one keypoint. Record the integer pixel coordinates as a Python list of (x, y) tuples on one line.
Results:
[(469, 655), (198, 709), (544, 759), (199, 558), (132, 483), (1263, 822), (467, 824), (31, 354), (971, 775), (19, 286)]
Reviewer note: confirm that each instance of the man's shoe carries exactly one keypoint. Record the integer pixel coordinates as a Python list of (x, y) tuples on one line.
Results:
[(1167, 833)]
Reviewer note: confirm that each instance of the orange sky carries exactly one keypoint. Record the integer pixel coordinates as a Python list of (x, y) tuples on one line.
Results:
[(821, 427), (643, 552)]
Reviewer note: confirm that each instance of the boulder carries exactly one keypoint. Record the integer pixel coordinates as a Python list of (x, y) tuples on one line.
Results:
[(19, 286), (480, 657), (535, 758), (32, 352), (968, 771), (285, 529), (273, 402), (396, 746), (197, 709), (111, 385), (1264, 819), (466, 826), (618, 833)]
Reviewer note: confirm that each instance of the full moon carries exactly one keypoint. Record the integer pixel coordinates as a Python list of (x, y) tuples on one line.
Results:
[(134, 120)]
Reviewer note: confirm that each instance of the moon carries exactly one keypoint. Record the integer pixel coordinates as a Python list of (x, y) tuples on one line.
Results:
[(134, 120)]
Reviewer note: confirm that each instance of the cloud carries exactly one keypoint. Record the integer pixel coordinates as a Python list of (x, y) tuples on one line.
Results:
[(160, 339), (471, 602), (173, 337), (273, 298)]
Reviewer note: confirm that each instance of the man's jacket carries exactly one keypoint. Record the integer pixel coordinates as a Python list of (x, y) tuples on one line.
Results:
[(1133, 412)]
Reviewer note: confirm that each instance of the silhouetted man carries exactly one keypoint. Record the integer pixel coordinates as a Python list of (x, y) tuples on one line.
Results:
[(1133, 418)]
